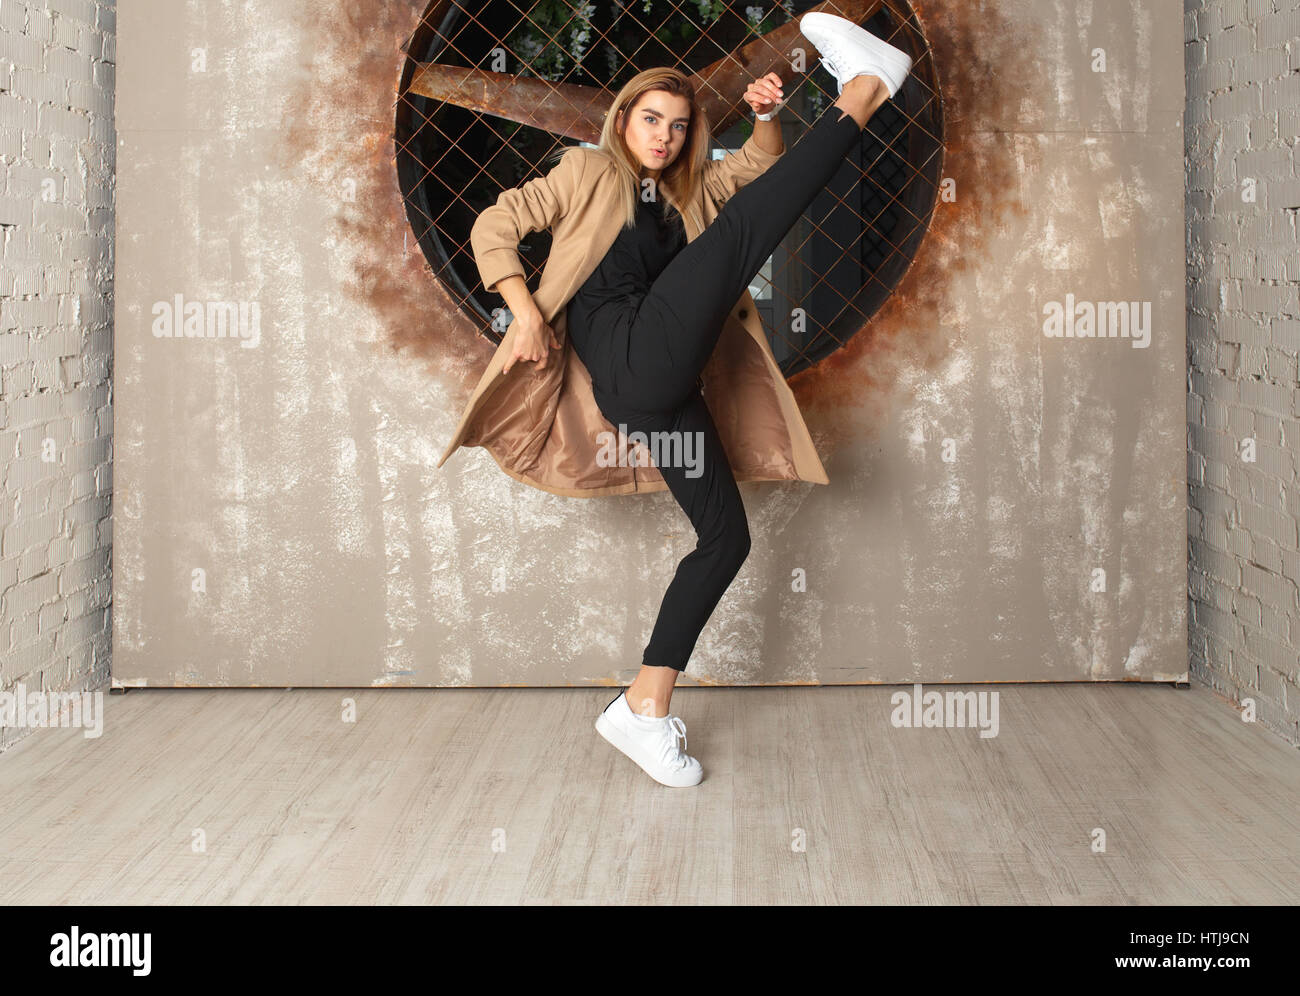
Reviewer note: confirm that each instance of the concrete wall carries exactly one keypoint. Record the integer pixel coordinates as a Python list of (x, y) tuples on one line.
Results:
[(56, 422), (1243, 334), (56, 87), (1004, 505)]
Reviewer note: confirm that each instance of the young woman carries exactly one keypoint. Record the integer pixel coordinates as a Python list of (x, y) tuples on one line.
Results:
[(648, 318)]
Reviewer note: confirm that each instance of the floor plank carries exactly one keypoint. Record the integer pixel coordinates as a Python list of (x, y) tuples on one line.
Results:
[(810, 795)]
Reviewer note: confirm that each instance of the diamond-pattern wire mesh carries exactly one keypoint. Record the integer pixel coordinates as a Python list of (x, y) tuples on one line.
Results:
[(860, 235)]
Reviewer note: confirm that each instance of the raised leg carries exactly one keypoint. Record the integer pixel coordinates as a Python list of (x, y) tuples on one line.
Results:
[(678, 323)]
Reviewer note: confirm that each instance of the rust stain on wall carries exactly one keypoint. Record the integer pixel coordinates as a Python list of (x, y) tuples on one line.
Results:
[(417, 313), (979, 56)]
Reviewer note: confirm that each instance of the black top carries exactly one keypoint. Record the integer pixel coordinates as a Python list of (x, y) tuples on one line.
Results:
[(618, 283)]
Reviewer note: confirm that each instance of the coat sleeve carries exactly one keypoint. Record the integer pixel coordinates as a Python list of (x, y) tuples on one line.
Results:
[(723, 177), (519, 211)]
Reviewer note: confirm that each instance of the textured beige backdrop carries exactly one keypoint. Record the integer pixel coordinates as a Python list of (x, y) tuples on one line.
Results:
[(278, 520)]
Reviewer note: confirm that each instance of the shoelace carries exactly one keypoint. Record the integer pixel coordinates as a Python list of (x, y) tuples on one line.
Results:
[(831, 69), (670, 754)]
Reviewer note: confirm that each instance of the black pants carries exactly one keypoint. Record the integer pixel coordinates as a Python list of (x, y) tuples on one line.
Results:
[(648, 377)]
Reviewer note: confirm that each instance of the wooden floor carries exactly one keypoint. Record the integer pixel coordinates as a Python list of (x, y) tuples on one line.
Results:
[(810, 795)]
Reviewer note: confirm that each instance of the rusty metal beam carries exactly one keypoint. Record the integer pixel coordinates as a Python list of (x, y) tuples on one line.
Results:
[(574, 111)]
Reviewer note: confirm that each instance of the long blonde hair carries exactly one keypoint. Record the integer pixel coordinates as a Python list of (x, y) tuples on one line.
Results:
[(679, 182)]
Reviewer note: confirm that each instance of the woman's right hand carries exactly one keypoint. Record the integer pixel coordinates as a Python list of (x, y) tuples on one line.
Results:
[(532, 339)]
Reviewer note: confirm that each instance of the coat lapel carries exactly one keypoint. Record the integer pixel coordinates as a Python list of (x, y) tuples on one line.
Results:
[(543, 427)]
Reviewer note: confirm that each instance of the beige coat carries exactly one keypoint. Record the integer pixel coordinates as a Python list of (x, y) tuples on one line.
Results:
[(542, 426)]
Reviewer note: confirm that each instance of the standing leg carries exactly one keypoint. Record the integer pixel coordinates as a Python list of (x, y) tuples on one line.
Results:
[(677, 325), (705, 488)]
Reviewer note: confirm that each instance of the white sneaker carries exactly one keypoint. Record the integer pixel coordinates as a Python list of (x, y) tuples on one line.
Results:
[(848, 50), (651, 743)]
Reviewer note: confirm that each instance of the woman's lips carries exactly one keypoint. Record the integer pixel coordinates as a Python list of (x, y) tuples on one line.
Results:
[(659, 153)]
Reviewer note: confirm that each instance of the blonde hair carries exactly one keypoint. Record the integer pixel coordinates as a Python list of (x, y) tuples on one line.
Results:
[(680, 181)]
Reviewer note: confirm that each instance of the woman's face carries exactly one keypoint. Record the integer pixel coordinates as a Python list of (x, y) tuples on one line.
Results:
[(659, 120)]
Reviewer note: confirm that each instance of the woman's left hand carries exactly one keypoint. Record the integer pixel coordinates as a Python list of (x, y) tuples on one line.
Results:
[(764, 93)]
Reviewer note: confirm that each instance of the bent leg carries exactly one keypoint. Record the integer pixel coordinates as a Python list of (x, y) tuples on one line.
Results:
[(700, 479)]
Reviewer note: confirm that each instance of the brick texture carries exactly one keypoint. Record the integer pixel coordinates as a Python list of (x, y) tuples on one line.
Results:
[(56, 420), (1243, 339)]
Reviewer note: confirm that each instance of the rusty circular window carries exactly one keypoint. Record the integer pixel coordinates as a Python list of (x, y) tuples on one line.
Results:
[(487, 93)]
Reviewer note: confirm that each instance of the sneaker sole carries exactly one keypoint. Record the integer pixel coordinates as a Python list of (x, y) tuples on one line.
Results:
[(681, 779), (892, 59)]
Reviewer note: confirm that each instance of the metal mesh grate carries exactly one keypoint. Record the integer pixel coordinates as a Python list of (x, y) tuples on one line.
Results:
[(489, 89)]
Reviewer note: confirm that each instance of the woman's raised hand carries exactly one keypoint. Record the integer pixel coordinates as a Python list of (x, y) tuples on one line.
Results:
[(764, 93), (532, 337)]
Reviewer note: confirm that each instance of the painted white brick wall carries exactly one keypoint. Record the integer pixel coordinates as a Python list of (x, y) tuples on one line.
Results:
[(56, 418), (1243, 338)]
